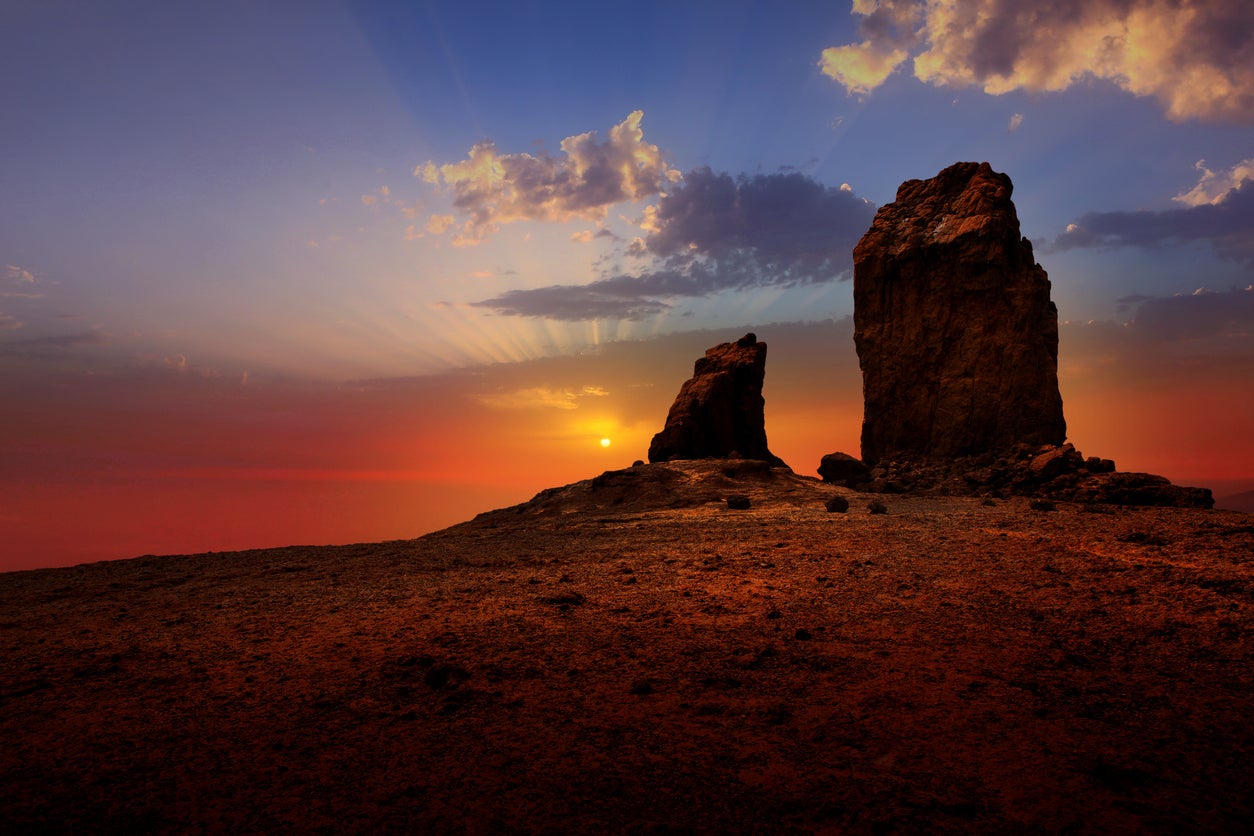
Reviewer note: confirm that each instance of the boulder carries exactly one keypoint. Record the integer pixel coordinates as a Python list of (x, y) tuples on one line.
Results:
[(719, 412), (956, 335), (843, 469), (837, 505), (1141, 489)]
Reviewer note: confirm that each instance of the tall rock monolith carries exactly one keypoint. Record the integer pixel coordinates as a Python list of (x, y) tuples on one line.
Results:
[(955, 331), (719, 412)]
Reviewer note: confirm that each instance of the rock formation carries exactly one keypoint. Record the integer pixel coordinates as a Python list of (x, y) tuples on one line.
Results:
[(843, 469), (958, 344), (955, 332), (719, 411), (1060, 473)]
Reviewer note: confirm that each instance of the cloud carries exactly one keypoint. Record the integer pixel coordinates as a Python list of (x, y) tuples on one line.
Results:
[(439, 224), (540, 397), (1016, 121), (1225, 221), (1212, 188), (1195, 58), (491, 189), (54, 346), (9, 322), (574, 303), (1203, 315), (716, 233), (20, 275), (861, 67)]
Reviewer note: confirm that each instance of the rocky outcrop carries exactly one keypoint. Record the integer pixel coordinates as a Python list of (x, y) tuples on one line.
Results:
[(955, 332), (719, 412), (1054, 472)]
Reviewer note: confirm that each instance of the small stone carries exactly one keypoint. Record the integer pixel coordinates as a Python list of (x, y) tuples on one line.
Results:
[(802, 635), (837, 504), (642, 687), (1042, 505), (738, 502), (877, 507)]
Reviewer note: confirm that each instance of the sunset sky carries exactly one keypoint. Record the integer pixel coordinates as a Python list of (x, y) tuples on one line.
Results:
[(316, 272)]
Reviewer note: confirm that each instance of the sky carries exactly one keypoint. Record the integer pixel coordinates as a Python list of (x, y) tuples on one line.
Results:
[(283, 273)]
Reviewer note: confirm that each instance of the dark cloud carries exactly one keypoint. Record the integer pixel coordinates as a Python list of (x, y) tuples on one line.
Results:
[(573, 303), (714, 233), (1204, 315), (1124, 303), (43, 346), (1227, 225)]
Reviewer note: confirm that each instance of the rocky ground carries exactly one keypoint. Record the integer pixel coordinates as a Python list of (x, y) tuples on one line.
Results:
[(629, 654)]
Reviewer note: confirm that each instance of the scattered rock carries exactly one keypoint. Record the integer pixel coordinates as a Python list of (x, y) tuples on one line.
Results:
[(566, 599), (642, 687), (803, 635), (955, 332), (738, 502), (1142, 538), (1042, 505), (837, 505), (877, 507), (1141, 489), (843, 469), (1059, 473), (445, 677), (1053, 463), (719, 412)]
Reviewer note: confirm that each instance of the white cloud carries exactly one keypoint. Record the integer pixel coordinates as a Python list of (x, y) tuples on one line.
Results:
[(20, 275), (1195, 58), (490, 188), (1016, 121), (1212, 188)]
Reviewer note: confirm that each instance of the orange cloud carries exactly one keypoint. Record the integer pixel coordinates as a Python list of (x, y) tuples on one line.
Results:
[(861, 67), (1196, 59)]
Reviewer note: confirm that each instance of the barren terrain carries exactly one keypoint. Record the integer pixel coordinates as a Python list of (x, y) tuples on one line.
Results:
[(629, 654)]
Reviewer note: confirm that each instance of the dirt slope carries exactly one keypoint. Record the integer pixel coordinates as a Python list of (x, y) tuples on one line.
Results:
[(597, 661)]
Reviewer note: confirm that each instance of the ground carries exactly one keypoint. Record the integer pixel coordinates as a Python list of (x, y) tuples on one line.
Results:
[(630, 654)]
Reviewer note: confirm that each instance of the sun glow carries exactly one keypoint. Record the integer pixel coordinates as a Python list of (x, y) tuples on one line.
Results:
[(605, 442)]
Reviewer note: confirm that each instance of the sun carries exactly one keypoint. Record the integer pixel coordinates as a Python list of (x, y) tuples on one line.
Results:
[(605, 442)]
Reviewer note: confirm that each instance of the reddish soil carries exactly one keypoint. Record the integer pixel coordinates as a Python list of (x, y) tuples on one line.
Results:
[(642, 658)]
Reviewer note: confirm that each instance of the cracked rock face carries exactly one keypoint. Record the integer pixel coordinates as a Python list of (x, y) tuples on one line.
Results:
[(719, 412), (955, 332)]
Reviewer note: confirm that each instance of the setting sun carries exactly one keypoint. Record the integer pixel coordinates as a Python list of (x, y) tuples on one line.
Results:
[(605, 442)]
